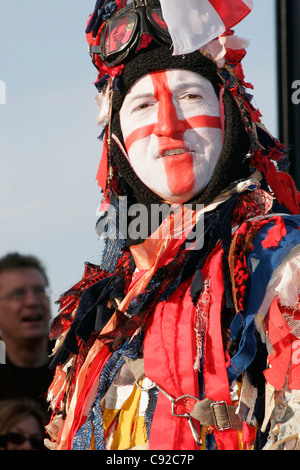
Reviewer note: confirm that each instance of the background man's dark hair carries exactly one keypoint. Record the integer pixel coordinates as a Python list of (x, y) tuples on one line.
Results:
[(16, 261)]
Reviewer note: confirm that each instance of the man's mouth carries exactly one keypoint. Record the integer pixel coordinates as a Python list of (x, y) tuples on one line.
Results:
[(172, 152), (173, 149), (32, 318)]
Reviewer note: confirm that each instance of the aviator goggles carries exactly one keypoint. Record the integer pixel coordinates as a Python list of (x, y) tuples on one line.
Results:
[(123, 31)]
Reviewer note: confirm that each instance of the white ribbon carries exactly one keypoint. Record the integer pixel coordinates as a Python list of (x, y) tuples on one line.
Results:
[(194, 23)]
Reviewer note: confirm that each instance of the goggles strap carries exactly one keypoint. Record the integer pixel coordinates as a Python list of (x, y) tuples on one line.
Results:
[(144, 3), (93, 50)]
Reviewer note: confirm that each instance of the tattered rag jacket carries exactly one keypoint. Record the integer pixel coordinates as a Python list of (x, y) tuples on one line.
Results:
[(186, 346)]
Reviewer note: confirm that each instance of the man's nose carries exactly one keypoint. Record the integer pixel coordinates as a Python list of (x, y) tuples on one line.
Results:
[(168, 124), (31, 297)]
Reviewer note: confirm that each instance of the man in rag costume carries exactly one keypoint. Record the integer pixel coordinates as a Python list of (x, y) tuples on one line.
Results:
[(186, 336)]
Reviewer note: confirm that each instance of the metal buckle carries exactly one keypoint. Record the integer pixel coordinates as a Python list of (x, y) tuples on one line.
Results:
[(145, 3), (193, 428), (93, 49), (139, 3), (212, 407), (174, 401)]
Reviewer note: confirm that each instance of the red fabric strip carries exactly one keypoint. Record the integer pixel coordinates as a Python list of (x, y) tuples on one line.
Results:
[(286, 357), (231, 12), (102, 172), (215, 374), (279, 336), (93, 374), (294, 376), (169, 353)]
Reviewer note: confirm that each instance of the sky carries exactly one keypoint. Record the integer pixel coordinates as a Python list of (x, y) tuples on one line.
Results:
[(49, 150)]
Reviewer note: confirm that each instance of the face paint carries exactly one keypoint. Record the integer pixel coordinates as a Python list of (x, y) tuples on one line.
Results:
[(171, 127)]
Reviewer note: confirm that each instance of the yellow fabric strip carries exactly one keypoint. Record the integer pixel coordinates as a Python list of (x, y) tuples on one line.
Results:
[(130, 431)]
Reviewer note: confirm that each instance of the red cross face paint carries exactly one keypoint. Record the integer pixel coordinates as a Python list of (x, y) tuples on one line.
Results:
[(170, 122)]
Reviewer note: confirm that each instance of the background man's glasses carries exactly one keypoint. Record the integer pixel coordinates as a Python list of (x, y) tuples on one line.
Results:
[(19, 294)]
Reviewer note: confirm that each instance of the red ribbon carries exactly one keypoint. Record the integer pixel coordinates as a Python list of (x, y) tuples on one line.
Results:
[(285, 360), (169, 355), (215, 374), (169, 352)]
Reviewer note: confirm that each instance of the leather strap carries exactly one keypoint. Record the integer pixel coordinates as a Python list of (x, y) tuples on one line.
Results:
[(208, 412), (218, 414), (136, 367)]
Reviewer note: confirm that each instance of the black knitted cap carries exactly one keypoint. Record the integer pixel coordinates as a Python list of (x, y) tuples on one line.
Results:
[(236, 142), (156, 58)]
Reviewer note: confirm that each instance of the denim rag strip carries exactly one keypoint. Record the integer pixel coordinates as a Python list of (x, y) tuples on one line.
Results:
[(94, 421)]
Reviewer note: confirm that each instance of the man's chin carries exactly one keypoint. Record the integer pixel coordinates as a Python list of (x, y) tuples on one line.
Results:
[(179, 198), (34, 330)]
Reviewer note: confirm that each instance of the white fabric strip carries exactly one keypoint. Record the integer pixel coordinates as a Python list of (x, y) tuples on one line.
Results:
[(191, 24), (249, 4), (194, 23)]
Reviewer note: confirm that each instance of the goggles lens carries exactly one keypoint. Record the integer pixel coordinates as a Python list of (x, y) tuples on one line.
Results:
[(156, 19), (118, 34), (122, 32)]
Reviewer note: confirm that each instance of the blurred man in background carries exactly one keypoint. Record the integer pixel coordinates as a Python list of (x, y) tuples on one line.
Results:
[(24, 324)]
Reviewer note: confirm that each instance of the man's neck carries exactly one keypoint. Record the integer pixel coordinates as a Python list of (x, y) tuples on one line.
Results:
[(28, 353)]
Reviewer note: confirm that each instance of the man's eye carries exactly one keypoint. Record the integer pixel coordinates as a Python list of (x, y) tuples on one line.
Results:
[(192, 96), (140, 106), (144, 105)]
